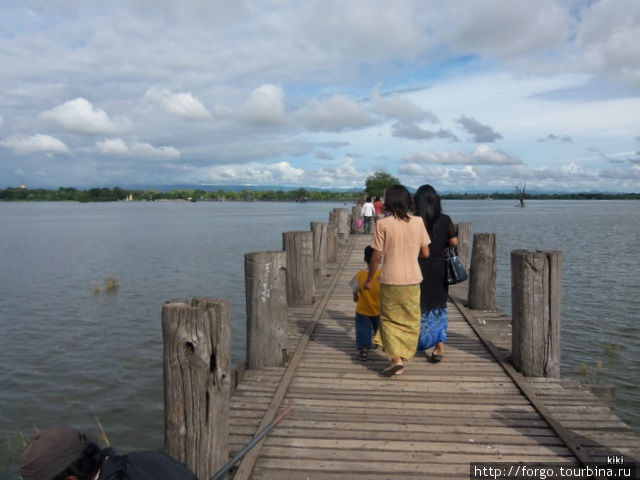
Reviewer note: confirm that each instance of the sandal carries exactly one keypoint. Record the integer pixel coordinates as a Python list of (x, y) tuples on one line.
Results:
[(435, 358), (393, 369), (363, 354)]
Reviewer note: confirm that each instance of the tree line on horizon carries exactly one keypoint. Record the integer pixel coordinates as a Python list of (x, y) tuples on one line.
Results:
[(300, 194)]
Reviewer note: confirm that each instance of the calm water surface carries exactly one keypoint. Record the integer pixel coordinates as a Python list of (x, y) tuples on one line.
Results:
[(68, 354)]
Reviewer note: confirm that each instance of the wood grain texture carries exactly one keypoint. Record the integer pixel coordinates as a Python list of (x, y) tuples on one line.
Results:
[(298, 246), (266, 302), (483, 272), (197, 383)]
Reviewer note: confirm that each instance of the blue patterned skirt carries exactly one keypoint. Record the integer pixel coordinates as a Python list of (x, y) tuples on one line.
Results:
[(433, 328)]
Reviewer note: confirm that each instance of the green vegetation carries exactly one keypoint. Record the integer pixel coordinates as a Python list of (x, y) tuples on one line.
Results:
[(111, 284), (117, 193), (11, 446), (375, 185)]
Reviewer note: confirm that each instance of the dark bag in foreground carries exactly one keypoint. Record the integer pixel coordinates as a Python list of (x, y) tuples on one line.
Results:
[(456, 272)]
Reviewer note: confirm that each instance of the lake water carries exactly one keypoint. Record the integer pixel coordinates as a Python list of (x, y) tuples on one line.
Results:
[(69, 354)]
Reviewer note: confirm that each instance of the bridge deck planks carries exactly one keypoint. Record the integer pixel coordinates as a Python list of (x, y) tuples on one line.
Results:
[(350, 422)]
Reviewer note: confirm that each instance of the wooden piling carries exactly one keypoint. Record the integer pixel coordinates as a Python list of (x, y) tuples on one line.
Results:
[(298, 246), (340, 219), (319, 231), (483, 272), (464, 243), (266, 303), (536, 295), (197, 383), (332, 243), (356, 214)]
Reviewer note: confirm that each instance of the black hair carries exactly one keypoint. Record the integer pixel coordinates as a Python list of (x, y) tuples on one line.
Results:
[(427, 203), (368, 253), (86, 465), (369, 198), (398, 202)]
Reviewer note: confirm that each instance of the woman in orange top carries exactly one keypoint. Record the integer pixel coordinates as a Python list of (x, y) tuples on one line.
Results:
[(398, 239)]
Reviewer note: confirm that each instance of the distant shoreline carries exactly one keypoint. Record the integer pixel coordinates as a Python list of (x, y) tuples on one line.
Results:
[(299, 195)]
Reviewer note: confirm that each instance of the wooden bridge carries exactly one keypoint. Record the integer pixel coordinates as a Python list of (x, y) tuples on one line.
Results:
[(350, 422)]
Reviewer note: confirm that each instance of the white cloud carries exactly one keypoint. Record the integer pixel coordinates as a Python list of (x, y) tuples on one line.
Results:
[(365, 29), (182, 104), (415, 132), (400, 108), (119, 147), (502, 28), (265, 106), (335, 114), (346, 174), (607, 38), (255, 173), (568, 68), (35, 144), (479, 132), (482, 155), (80, 116)]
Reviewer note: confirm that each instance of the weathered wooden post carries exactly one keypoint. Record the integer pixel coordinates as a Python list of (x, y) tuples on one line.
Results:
[(464, 243), (483, 272), (356, 215), (319, 231), (536, 295), (332, 244), (197, 383), (298, 246), (342, 223), (266, 299)]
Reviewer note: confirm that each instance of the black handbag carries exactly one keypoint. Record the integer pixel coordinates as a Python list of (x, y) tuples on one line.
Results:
[(456, 272)]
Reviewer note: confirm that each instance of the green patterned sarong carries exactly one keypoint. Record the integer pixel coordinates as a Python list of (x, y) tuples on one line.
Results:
[(399, 320)]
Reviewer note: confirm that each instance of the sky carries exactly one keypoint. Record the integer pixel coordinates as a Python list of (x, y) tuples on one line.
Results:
[(465, 95)]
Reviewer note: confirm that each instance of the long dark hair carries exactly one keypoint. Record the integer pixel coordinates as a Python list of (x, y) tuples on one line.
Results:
[(397, 201), (427, 202)]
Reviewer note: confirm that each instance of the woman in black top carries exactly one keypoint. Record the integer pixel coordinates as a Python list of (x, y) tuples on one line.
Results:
[(434, 288)]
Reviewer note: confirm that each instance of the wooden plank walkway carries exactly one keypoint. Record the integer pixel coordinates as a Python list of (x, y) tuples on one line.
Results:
[(350, 422)]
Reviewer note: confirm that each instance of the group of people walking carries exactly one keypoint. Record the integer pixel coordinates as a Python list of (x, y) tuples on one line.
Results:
[(371, 210), (402, 307)]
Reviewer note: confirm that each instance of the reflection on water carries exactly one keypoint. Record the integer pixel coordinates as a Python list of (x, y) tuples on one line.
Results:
[(70, 351)]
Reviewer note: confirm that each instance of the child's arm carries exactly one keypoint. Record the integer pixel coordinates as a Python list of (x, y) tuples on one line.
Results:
[(355, 288)]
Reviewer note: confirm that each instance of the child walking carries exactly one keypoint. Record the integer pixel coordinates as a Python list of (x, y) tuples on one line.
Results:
[(367, 308)]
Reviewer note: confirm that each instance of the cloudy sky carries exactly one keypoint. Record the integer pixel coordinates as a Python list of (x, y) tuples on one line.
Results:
[(463, 94)]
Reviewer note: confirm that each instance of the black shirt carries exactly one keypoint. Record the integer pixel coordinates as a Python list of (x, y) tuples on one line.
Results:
[(434, 288)]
